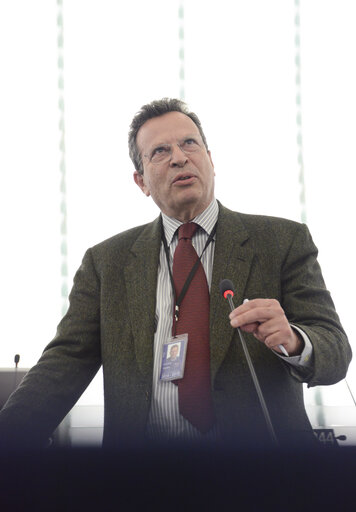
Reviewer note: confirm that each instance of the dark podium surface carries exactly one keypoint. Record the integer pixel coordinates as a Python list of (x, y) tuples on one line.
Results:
[(10, 378), (179, 478)]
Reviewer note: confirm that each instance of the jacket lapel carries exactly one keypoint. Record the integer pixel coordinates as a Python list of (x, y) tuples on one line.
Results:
[(232, 260), (141, 283)]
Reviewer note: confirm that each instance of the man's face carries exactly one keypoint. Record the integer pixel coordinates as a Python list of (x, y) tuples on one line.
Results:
[(174, 352), (183, 186)]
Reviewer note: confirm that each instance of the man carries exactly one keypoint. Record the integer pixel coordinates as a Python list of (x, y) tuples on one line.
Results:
[(121, 312), (173, 354)]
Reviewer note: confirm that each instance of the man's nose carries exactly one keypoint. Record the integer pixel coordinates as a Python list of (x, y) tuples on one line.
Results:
[(178, 157)]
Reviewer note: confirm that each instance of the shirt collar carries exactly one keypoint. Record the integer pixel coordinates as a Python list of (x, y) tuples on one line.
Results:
[(206, 220)]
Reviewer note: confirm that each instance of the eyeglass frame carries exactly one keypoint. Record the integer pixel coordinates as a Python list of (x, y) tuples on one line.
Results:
[(170, 146)]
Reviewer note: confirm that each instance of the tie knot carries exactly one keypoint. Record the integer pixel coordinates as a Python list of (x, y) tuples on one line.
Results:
[(187, 230)]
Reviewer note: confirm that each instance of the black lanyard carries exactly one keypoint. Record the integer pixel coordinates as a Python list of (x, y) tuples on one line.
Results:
[(179, 300)]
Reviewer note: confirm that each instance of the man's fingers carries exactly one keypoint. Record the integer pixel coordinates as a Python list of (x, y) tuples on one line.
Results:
[(250, 328), (258, 311)]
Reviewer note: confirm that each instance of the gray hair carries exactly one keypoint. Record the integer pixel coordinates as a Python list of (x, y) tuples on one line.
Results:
[(155, 109)]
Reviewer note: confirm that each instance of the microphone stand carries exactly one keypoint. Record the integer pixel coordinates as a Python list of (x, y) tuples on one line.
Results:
[(255, 380)]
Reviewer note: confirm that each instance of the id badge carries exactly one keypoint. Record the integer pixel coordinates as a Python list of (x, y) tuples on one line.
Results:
[(173, 357)]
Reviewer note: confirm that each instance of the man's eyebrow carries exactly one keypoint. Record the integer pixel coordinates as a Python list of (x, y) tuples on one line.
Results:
[(159, 144), (191, 136), (188, 136)]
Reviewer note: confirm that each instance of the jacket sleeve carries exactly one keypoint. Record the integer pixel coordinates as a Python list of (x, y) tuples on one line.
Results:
[(308, 305), (66, 367)]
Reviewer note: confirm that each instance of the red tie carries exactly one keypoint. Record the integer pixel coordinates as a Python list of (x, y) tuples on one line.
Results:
[(195, 401)]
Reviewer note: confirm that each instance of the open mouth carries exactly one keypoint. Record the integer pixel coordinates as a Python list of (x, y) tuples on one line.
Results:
[(181, 179)]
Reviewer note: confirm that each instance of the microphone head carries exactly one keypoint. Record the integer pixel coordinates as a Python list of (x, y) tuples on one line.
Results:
[(226, 288), (16, 358)]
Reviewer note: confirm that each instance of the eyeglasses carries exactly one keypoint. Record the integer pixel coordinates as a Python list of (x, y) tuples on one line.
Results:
[(163, 153)]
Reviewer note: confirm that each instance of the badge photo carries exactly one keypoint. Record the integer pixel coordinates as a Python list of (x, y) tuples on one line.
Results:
[(173, 358)]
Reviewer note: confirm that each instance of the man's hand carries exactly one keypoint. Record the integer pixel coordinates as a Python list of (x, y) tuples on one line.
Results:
[(266, 320)]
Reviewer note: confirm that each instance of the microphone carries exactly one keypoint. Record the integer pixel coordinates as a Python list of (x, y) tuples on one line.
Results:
[(227, 291), (16, 361)]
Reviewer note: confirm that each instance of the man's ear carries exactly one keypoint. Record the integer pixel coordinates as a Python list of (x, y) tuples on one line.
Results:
[(211, 160), (140, 181)]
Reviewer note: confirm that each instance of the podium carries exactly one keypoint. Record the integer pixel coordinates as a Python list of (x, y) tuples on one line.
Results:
[(10, 379)]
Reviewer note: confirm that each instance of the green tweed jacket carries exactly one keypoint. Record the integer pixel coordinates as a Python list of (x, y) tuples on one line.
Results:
[(111, 322)]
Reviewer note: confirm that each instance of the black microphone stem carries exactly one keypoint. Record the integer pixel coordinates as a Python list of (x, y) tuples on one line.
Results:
[(255, 380)]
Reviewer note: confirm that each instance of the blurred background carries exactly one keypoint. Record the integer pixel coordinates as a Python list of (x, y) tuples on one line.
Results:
[(274, 86)]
